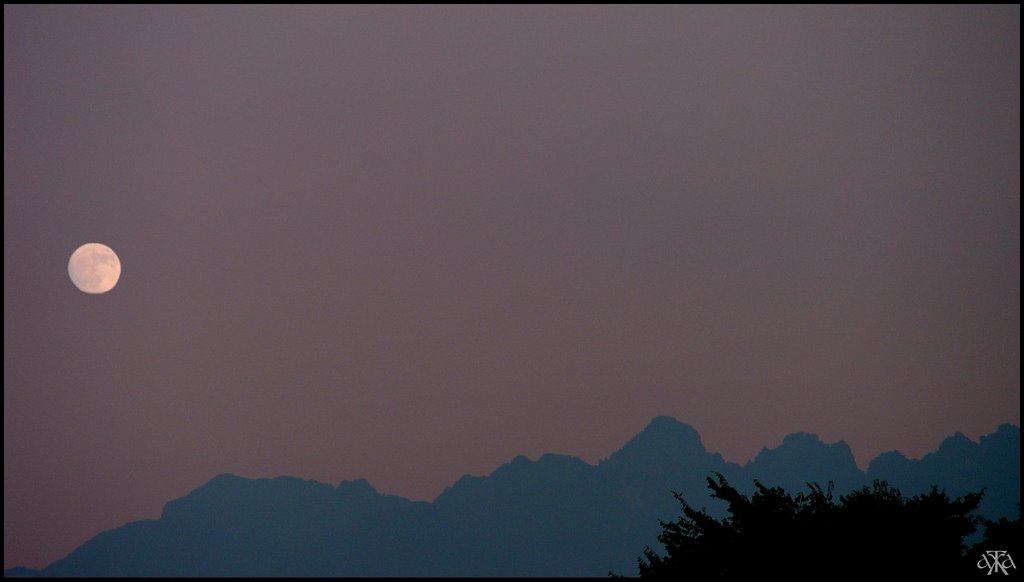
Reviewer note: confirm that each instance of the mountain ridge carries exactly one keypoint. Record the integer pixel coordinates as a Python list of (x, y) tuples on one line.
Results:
[(555, 516)]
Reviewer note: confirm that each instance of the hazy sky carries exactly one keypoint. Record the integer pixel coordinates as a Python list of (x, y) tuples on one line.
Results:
[(409, 243)]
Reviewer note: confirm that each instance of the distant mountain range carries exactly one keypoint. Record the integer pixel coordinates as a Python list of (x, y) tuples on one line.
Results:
[(556, 516)]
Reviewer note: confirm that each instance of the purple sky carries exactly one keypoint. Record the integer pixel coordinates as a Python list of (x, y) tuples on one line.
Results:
[(410, 243)]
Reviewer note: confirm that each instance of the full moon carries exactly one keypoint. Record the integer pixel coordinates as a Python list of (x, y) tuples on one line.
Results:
[(94, 268)]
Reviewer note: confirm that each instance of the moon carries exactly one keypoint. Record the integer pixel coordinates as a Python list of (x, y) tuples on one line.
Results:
[(94, 268)]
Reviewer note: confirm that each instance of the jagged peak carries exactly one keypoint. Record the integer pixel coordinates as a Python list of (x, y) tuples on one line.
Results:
[(1006, 433), (230, 488), (664, 437), (886, 462), (891, 456), (218, 483), (804, 443), (669, 423), (957, 442), (546, 462), (560, 459), (663, 429), (802, 438), (225, 478), (357, 487)]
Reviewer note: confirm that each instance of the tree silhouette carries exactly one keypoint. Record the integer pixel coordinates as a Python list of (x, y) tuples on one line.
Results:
[(872, 531)]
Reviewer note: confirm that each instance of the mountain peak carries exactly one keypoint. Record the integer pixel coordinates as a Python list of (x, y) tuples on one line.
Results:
[(803, 457), (665, 421), (663, 439), (890, 464), (804, 443), (958, 443), (1007, 436), (808, 439), (668, 428), (357, 487)]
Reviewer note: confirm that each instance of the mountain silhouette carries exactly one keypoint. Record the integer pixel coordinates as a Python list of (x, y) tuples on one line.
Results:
[(555, 516), (961, 465), (803, 458)]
